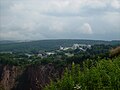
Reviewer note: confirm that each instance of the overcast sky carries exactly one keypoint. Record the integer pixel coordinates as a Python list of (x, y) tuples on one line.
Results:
[(59, 19)]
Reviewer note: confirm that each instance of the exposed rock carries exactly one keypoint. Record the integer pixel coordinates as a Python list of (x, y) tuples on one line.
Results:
[(8, 75), (36, 77), (32, 78)]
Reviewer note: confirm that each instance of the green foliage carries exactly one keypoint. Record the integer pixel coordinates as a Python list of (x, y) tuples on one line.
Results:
[(102, 75), (12, 59)]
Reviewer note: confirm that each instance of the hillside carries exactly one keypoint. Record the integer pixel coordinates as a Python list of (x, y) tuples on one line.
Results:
[(47, 44)]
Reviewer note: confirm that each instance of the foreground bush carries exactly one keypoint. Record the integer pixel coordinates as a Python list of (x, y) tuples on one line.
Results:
[(115, 52), (104, 75)]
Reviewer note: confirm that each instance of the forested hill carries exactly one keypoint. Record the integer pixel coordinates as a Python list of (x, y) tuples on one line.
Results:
[(47, 44)]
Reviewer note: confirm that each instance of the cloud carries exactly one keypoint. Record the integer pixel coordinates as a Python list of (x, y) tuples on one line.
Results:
[(112, 18), (17, 7), (62, 7), (18, 35), (10, 35), (115, 4), (57, 26), (86, 29), (41, 19)]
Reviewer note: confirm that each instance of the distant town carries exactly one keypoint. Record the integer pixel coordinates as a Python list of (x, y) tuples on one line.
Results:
[(67, 51)]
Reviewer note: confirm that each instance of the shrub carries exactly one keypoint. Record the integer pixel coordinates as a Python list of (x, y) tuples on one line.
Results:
[(115, 52), (104, 75)]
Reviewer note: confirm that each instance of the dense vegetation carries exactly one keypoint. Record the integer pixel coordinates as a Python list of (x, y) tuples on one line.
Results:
[(14, 59), (21, 59), (102, 75), (59, 59)]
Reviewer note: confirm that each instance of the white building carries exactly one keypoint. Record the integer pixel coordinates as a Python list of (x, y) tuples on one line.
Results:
[(50, 53), (82, 47), (61, 48), (75, 46)]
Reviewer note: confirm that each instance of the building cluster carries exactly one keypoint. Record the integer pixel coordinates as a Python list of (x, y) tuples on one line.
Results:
[(63, 50), (82, 47)]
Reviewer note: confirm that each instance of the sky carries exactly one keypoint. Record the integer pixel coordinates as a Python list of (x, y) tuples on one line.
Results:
[(59, 19)]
